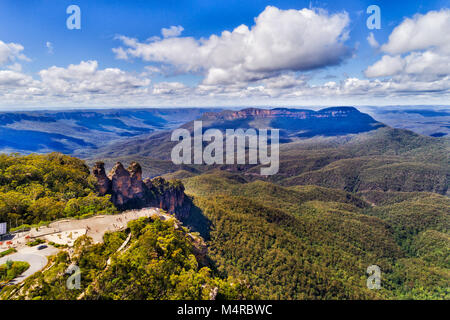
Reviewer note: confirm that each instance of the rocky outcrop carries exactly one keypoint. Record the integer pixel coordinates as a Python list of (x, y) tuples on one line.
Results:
[(127, 188), (103, 183), (170, 195), (129, 191)]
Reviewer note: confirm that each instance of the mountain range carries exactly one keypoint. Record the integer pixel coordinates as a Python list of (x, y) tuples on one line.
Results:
[(351, 192), (294, 125), (334, 147), (73, 131), (83, 132), (420, 119)]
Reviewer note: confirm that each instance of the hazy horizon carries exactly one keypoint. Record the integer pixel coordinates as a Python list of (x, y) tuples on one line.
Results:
[(312, 107)]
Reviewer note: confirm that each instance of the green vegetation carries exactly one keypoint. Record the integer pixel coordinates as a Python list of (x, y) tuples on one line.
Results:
[(7, 252), (11, 269), (337, 206), (309, 242), (410, 217), (433, 247), (57, 245), (223, 183), (91, 204), (381, 160), (385, 159), (381, 198), (178, 175), (39, 188), (160, 262), (35, 242), (374, 173), (163, 265)]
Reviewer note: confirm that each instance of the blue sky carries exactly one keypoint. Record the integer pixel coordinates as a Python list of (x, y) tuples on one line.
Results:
[(36, 73)]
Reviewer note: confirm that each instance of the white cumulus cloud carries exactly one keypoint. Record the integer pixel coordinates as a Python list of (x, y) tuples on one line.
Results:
[(387, 66), (279, 41), (419, 48), (10, 52), (173, 31), (85, 77), (261, 64), (84, 83), (421, 32), (11, 78)]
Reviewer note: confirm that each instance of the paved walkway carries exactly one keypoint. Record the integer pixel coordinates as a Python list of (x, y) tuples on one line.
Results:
[(36, 258), (94, 227), (67, 231), (97, 226)]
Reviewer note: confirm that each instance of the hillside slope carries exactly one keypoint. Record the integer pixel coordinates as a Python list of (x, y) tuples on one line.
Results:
[(82, 131), (161, 261), (293, 124), (376, 158), (309, 242)]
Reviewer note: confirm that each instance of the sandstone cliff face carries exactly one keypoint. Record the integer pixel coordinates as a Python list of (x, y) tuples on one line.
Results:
[(129, 191), (103, 183), (281, 112)]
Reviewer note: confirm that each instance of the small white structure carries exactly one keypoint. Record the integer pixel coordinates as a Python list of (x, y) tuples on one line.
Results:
[(3, 226)]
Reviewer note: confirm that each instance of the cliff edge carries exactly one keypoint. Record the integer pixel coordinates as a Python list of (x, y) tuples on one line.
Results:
[(129, 191)]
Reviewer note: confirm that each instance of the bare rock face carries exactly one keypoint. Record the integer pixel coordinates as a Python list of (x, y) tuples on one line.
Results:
[(200, 249), (120, 185), (103, 183), (170, 196), (138, 190), (128, 191), (127, 188)]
